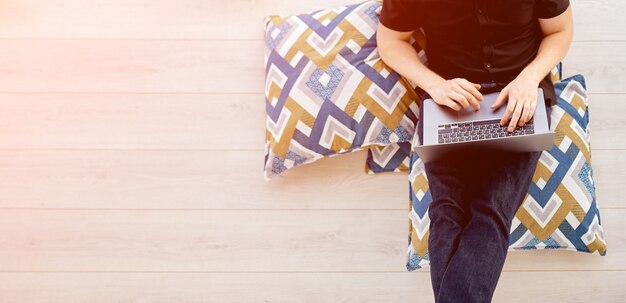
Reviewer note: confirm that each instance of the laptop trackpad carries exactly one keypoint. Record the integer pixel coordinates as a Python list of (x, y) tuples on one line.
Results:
[(485, 112)]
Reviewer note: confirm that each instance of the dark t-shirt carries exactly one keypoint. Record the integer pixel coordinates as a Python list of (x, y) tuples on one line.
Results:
[(483, 41)]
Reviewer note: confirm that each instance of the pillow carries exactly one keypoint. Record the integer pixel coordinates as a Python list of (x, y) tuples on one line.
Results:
[(559, 211), (327, 91), (395, 157)]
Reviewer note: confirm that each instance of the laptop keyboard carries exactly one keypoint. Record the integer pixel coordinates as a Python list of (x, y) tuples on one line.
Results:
[(476, 130)]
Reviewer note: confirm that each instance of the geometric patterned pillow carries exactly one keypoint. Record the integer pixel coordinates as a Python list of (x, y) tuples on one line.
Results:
[(327, 90), (396, 157), (559, 211)]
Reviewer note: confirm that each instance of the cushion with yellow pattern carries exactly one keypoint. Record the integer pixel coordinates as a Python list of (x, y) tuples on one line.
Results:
[(327, 90), (559, 211)]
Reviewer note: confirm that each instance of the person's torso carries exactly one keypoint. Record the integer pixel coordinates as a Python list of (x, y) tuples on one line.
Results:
[(482, 40)]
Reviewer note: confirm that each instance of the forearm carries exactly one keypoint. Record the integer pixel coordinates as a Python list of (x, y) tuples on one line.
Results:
[(402, 57), (552, 50)]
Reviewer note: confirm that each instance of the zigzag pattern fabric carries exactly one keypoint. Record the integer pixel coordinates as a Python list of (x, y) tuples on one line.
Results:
[(394, 157), (327, 90), (559, 211)]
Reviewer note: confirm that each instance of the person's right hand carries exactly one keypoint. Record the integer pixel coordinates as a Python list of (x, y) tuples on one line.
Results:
[(456, 93)]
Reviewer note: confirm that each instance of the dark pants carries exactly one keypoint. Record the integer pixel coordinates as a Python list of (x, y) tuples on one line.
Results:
[(475, 197)]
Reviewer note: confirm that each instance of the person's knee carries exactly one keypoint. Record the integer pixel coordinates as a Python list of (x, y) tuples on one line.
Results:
[(492, 218), (449, 209)]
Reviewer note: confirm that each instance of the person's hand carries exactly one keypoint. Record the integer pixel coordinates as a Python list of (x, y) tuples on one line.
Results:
[(522, 101), (456, 93)]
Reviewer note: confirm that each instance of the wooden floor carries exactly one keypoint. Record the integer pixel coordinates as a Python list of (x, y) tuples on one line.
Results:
[(131, 150)]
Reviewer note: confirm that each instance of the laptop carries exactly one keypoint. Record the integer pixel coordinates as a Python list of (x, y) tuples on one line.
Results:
[(446, 130)]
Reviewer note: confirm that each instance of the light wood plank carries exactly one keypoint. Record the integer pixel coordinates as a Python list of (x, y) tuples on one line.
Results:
[(131, 66), (609, 173), (606, 121), (133, 121), (173, 121), (598, 20), (214, 180), (147, 19), (190, 180), (595, 286), (245, 241), (604, 69), (215, 19), (216, 66)]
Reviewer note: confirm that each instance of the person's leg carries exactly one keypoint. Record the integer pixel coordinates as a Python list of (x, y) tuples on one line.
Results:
[(501, 182), (449, 215), (447, 211)]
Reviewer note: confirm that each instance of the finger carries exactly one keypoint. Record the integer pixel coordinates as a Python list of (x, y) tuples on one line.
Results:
[(472, 101), (451, 104), (476, 85), (470, 94), (516, 114), (525, 114), (500, 99), (460, 99), (532, 111), (508, 113), (472, 88), (529, 109), (463, 80)]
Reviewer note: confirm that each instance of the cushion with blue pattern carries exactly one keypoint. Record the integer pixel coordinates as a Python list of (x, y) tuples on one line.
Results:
[(559, 211)]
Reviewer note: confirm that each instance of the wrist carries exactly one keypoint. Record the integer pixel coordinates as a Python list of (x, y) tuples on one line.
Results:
[(532, 74), (430, 84)]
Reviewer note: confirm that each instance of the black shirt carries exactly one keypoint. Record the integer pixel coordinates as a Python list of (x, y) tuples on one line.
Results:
[(483, 41)]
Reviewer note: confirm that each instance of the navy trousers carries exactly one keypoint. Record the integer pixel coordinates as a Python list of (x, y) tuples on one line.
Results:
[(475, 195)]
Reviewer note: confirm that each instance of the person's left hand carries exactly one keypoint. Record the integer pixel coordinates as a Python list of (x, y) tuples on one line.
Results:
[(522, 101)]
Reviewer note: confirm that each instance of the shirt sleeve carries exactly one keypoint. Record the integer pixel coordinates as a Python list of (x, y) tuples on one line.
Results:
[(546, 9), (399, 15)]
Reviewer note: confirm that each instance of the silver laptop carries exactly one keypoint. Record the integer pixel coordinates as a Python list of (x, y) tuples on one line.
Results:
[(446, 130)]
